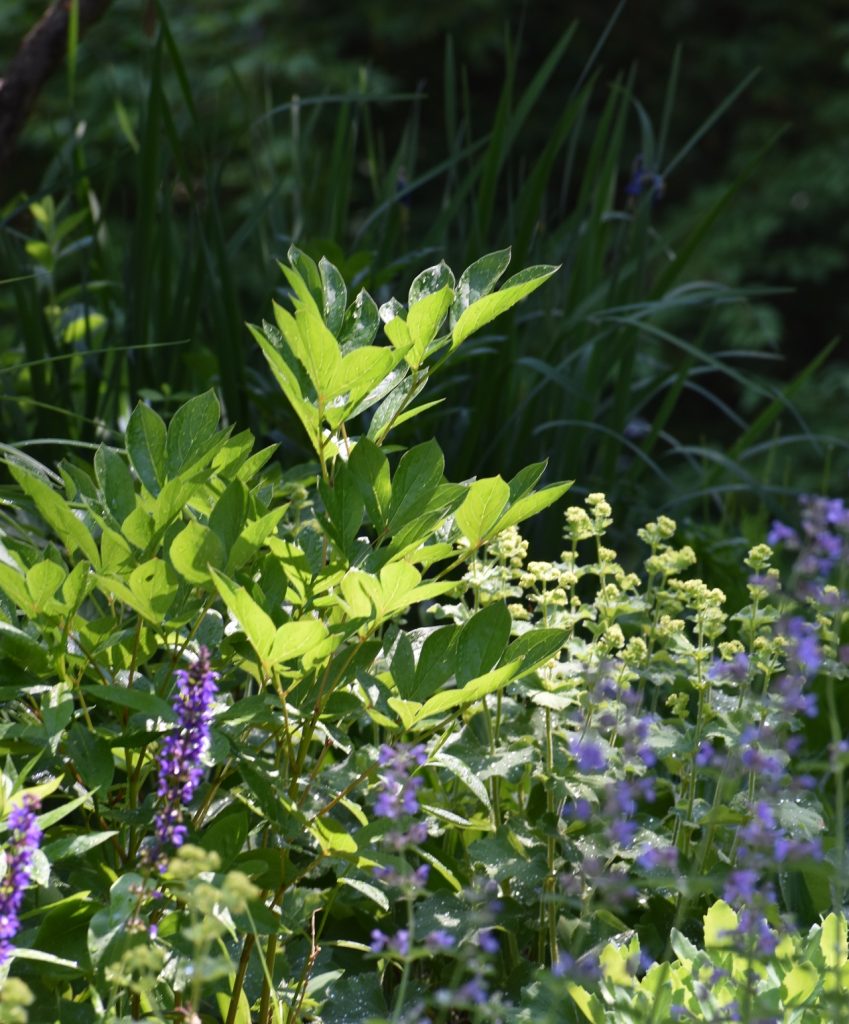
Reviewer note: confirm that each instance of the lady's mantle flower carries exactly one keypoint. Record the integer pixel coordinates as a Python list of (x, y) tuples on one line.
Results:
[(181, 755), (24, 837)]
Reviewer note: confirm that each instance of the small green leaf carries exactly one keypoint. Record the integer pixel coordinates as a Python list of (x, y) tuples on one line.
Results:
[(530, 505), (487, 308), (227, 518), (194, 550), (477, 280), (474, 690), (360, 324), (57, 514), (43, 580), (256, 624), (295, 639), (20, 647), (334, 295), (145, 440), (343, 505), (833, 940), (719, 920), (369, 469), (116, 483), (190, 431), (480, 512), (423, 323)]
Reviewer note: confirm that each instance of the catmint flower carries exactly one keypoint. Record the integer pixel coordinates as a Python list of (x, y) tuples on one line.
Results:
[(781, 533), (398, 786), (488, 941), (438, 940), (588, 756), (805, 645), (24, 837), (741, 887), (181, 755), (653, 857)]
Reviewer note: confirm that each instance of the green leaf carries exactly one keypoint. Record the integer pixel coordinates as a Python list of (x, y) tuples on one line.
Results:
[(227, 518), (369, 469), (289, 384), (360, 372), (317, 350), (474, 690), (107, 930), (75, 846), (91, 757), (423, 323), (429, 282), (307, 273), (43, 580), (481, 510), (360, 324), (481, 641), (535, 647), (116, 482), (145, 440), (135, 700), (587, 1003), (57, 514), (460, 770), (799, 983), (343, 505), (153, 585), (477, 280), (295, 639), (719, 919), (531, 505), (416, 479), (487, 308), (334, 295), (194, 550), (435, 665), (190, 431), (14, 584), (833, 941), (20, 647), (256, 624)]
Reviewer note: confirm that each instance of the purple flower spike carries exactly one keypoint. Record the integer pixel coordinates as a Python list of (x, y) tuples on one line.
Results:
[(398, 793), (181, 756), (24, 837), (588, 756)]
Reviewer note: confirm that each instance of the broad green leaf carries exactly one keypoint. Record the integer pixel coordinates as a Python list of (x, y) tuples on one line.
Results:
[(481, 642), (307, 274), (587, 1003), (343, 505), (798, 983), (391, 309), (397, 331), (107, 930), (190, 431), (116, 482), (91, 757), (387, 413), (227, 518), (833, 940), (398, 580), (480, 512), (435, 664), (75, 846), (477, 280), (334, 295), (369, 468), (423, 323), (333, 837), (320, 355), (487, 308), (20, 647), (362, 370), (531, 504), (460, 770), (417, 476), (154, 585), (535, 647), (133, 699), (719, 920), (57, 514), (295, 639), (360, 324), (524, 481), (368, 890), (194, 550), (474, 690), (43, 580), (362, 593), (428, 282), (256, 624), (14, 584), (145, 440), (289, 384)]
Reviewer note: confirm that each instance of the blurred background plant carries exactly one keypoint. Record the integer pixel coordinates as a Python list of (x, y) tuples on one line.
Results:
[(691, 182)]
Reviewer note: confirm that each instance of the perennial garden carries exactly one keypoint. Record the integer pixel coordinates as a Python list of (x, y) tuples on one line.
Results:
[(328, 743)]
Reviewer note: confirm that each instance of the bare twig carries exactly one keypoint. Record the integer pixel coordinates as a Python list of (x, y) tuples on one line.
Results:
[(38, 56)]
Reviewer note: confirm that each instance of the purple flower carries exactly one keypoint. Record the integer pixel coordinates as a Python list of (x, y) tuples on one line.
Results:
[(24, 837), (398, 786), (805, 647), (652, 857), (181, 755), (781, 533), (736, 669), (588, 756), (579, 810), (438, 940), (488, 941), (741, 887)]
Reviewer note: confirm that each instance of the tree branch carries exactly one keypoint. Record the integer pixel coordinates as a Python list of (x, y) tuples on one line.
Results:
[(38, 56)]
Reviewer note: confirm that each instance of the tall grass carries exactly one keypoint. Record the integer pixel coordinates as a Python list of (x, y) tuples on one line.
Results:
[(171, 238)]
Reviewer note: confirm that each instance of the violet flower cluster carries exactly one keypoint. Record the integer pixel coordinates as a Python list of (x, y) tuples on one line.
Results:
[(181, 756), (24, 838)]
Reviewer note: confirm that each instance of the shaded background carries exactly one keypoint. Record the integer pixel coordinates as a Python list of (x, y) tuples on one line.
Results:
[(173, 137)]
